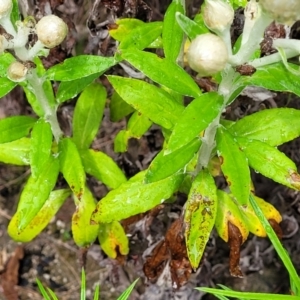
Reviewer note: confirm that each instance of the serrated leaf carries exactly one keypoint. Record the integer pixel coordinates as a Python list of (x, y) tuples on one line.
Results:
[(234, 166), (118, 108), (142, 36), (151, 101), (228, 211), (102, 167), (270, 162), (165, 165), (69, 89), (190, 28), (16, 152), (71, 166), (80, 66), (271, 126), (41, 220), (199, 216), (6, 86), (194, 119), (134, 197), (84, 233), (113, 239), (172, 34), (14, 128), (88, 115), (41, 143), (36, 192), (163, 71)]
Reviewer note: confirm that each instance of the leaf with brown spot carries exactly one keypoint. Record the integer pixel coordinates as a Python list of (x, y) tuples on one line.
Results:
[(200, 214)]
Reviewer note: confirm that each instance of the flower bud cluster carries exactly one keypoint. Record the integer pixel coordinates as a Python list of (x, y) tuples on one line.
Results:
[(51, 31), (286, 12)]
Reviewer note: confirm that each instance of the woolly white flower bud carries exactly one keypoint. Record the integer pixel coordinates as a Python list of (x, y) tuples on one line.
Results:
[(5, 8), (17, 71), (218, 15), (51, 30), (207, 54), (285, 12)]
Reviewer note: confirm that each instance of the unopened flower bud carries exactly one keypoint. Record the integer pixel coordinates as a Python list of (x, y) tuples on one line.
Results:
[(17, 71), (218, 15), (51, 30), (207, 54), (285, 12), (5, 8)]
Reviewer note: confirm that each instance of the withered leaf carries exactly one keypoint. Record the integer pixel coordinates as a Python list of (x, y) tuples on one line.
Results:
[(235, 241)]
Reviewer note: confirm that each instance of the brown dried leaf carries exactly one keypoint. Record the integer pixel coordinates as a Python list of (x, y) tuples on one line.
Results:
[(276, 227), (9, 277), (155, 264), (235, 241)]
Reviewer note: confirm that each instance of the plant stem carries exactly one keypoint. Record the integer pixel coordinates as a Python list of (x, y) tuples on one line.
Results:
[(36, 86)]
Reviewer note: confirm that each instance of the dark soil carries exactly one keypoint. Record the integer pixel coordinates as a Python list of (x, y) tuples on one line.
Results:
[(56, 260)]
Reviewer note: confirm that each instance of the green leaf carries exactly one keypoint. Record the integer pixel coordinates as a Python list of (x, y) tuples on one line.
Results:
[(71, 166), (88, 115), (163, 71), (270, 162), (165, 165), (121, 141), (124, 27), (234, 166), (195, 118), (16, 152), (70, 89), (35, 194), (247, 295), (118, 108), (190, 28), (137, 125), (142, 36), (149, 100), (127, 292), (41, 143), (102, 167), (134, 197), (47, 85), (84, 233), (172, 34), (271, 126), (113, 239), (199, 216), (273, 77), (15, 14), (6, 86), (14, 128), (40, 220), (80, 66), (33, 101)]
